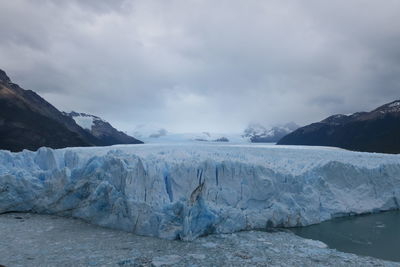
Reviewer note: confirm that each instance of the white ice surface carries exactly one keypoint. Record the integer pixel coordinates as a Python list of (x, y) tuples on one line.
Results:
[(186, 190), (201, 137)]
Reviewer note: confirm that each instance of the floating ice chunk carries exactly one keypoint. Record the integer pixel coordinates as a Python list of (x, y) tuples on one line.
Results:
[(315, 243)]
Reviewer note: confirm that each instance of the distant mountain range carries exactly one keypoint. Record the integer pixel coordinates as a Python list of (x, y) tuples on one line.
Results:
[(375, 131), (27, 121), (256, 133)]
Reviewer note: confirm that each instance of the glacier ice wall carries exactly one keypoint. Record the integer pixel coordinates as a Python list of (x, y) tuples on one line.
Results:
[(185, 191)]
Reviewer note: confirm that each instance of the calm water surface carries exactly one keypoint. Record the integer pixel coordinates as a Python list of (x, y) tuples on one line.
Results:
[(375, 235)]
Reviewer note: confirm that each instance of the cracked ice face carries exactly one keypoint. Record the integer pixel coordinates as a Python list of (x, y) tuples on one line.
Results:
[(185, 191)]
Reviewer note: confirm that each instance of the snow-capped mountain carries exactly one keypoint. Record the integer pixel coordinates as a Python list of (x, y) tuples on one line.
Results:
[(101, 129), (27, 121), (375, 131), (256, 133)]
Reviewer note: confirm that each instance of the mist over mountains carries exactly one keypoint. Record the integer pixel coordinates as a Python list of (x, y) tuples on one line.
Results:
[(257, 133), (27, 121)]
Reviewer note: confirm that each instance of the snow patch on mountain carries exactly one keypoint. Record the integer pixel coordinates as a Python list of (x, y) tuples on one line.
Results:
[(393, 107), (185, 191), (395, 104), (86, 121)]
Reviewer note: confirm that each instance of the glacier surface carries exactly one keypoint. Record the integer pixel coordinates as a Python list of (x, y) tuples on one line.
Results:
[(182, 191)]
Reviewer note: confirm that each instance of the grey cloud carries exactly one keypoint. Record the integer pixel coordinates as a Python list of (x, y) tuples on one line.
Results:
[(326, 100), (205, 65)]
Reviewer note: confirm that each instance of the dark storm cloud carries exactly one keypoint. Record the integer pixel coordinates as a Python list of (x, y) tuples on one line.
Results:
[(205, 65)]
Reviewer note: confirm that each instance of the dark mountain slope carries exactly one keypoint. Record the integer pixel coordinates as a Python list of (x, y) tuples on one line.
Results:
[(375, 131), (27, 121)]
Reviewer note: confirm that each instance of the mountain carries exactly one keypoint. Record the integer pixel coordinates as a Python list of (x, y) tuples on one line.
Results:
[(257, 133), (101, 129), (27, 121), (374, 131)]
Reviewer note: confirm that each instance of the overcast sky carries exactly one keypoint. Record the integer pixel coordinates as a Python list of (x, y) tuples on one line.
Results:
[(193, 65)]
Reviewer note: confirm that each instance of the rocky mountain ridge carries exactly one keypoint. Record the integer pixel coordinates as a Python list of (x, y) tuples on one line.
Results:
[(374, 131)]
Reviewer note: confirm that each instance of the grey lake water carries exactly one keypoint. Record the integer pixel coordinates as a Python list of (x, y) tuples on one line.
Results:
[(375, 235)]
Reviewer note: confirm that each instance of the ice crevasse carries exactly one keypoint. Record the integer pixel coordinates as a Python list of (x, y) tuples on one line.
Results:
[(185, 191)]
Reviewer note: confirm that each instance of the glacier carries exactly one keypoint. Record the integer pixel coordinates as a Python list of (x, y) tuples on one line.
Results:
[(183, 191)]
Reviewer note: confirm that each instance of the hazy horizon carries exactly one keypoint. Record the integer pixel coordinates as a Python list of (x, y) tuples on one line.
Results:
[(194, 66)]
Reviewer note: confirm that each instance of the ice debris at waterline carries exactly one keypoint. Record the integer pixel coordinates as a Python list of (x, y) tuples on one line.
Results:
[(185, 191)]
